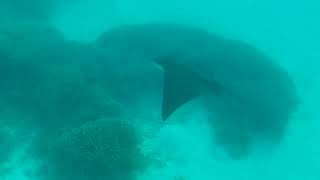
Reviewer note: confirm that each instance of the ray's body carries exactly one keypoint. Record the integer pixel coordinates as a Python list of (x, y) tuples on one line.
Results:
[(249, 94)]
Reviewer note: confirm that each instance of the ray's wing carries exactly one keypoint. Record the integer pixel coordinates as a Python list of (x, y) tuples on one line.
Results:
[(180, 84)]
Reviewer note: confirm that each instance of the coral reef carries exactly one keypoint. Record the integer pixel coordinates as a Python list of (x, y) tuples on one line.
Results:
[(39, 10), (53, 84), (50, 79)]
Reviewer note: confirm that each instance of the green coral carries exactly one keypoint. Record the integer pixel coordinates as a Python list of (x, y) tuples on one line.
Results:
[(39, 10), (54, 81), (102, 149), (23, 48), (47, 77)]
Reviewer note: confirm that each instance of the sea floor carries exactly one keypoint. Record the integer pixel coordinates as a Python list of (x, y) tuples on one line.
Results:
[(184, 150)]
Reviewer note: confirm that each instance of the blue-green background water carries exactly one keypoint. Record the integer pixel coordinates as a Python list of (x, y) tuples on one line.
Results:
[(288, 31)]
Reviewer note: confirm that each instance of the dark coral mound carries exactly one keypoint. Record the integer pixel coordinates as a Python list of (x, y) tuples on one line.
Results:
[(54, 85), (48, 78), (39, 10)]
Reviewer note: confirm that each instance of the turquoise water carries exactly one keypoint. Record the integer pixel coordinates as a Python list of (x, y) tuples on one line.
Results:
[(56, 81)]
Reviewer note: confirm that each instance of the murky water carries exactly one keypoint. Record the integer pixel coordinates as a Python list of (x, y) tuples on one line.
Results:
[(85, 86)]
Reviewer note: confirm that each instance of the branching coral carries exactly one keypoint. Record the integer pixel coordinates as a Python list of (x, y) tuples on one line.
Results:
[(102, 149)]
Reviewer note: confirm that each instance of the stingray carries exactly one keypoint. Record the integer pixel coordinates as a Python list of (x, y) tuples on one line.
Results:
[(249, 94)]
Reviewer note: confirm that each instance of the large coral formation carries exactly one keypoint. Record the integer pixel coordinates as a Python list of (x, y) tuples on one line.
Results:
[(23, 50), (101, 149), (55, 82), (49, 78), (40, 10)]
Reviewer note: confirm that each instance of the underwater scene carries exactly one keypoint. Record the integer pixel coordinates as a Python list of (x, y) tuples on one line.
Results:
[(159, 90)]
